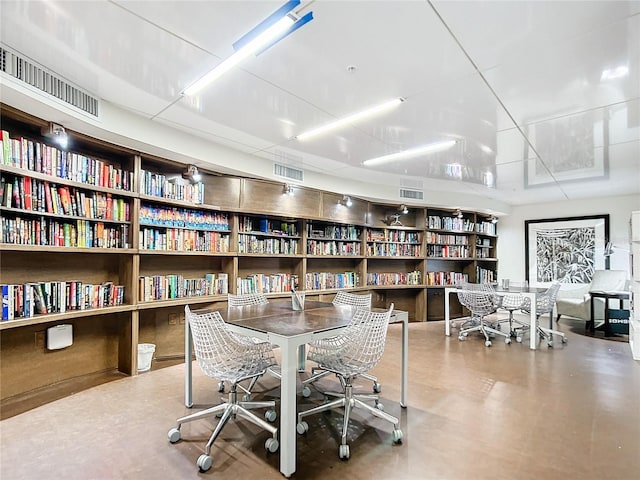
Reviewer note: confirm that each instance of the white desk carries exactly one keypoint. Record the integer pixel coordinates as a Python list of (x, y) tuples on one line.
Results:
[(531, 294), (276, 323)]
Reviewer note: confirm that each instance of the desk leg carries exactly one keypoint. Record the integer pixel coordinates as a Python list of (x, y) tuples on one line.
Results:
[(447, 327), (288, 417), (405, 362), (607, 327), (188, 367), (591, 324), (302, 357), (533, 334)]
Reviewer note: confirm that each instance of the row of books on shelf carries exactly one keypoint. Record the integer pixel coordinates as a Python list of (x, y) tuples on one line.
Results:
[(328, 280), (41, 196), (400, 236), (53, 233), (450, 223), (446, 278), (41, 298), (484, 275), (484, 252), (488, 228), (448, 251), (335, 232), (393, 250), (268, 245), (167, 287), (171, 187), (262, 283), (183, 218), (266, 225), (433, 237), (333, 247), (181, 240), (39, 157), (399, 278)]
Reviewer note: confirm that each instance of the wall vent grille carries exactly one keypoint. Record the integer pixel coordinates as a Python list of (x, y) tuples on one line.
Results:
[(46, 81), (288, 172), (411, 194)]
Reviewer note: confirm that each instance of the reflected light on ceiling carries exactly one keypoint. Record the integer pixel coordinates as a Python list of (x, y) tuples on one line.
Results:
[(613, 73), (413, 152)]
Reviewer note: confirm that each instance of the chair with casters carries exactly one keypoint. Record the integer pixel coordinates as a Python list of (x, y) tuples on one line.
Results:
[(544, 306), (341, 298), (233, 358), (511, 302), (481, 300), (244, 300), (348, 355)]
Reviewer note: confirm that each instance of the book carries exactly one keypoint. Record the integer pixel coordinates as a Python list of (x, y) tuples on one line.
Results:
[(39, 303), (7, 302)]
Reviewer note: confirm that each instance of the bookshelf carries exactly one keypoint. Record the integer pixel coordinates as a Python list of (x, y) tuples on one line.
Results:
[(141, 242)]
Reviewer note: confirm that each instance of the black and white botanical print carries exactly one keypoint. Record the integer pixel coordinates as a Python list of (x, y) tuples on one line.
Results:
[(566, 254)]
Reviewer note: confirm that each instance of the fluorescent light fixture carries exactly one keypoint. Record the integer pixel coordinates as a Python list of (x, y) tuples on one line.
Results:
[(413, 152), (271, 30), (353, 118), (613, 73)]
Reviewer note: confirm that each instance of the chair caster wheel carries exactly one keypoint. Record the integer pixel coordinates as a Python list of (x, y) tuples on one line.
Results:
[(488, 343), (380, 406), (564, 340), (507, 341), (461, 338), (270, 415), (174, 435), (397, 436), (550, 343), (519, 339), (302, 427), (377, 388), (204, 462), (344, 452), (306, 391), (221, 387), (271, 445)]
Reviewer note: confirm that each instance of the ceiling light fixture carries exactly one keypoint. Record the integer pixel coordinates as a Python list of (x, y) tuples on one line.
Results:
[(288, 189), (192, 174), (413, 152), (57, 133), (351, 119), (346, 201), (274, 28)]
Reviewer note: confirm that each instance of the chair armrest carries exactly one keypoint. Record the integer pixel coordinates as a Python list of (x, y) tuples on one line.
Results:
[(581, 292)]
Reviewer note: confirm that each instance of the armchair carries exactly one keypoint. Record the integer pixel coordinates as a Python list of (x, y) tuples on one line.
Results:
[(576, 302)]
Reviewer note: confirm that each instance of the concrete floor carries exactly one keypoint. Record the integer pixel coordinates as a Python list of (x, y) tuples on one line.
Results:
[(505, 412)]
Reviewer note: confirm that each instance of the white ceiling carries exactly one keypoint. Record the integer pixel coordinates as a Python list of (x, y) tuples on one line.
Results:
[(517, 83)]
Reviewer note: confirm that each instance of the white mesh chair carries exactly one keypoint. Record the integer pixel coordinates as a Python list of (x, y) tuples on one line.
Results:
[(480, 300), (350, 354), (544, 306), (233, 358), (512, 302), (243, 300), (341, 298)]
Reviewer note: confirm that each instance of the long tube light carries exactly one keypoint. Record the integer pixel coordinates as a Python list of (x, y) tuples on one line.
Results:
[(413, 152), (350, 119), (271, 30)]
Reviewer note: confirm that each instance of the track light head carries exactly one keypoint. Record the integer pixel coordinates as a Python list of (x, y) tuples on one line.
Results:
[(192, 174), (493, 219), (287, 189), (404, 209), (346, 201), (57, 133)]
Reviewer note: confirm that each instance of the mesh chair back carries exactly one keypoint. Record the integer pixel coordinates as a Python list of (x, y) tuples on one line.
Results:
[(361, 345), (345, 298), (246, 299), (480, 301), (545, 301), (222, 354)]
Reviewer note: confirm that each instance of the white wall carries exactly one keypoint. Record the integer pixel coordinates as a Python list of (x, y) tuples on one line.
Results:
[(511, 249)]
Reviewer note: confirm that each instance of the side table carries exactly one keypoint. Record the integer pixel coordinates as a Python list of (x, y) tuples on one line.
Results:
[(620, 296)]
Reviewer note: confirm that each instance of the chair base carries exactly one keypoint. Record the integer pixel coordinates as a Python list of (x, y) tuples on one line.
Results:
[(485, 329)]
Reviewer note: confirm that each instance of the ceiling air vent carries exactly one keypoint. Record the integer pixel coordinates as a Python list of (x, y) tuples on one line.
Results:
[(411, 194), (288, 172), (46, 81)]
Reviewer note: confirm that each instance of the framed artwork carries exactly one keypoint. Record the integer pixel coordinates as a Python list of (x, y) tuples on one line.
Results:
[(567, 249), (573, 148)]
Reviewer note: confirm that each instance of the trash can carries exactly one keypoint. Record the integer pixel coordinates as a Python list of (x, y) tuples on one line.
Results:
[(145, 354)]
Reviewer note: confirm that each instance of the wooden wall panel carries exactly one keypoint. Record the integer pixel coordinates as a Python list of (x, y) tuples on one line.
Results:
[(223, 192), (334, 210), (269, 198)]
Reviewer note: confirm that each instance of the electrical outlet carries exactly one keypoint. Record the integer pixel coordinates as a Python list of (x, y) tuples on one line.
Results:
[(39, 340), (173, 319)]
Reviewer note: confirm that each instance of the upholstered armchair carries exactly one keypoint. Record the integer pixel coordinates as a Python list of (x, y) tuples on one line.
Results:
[(576, 302)]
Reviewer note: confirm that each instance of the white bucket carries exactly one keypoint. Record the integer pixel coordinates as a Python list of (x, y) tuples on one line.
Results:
[(145, 354)]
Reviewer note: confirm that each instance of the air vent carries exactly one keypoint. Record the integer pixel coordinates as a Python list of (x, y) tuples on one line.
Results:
[(288, 172), (46, 81), (411, 194)]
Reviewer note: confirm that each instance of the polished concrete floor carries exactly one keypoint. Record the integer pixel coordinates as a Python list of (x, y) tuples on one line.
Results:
[(505, 412)]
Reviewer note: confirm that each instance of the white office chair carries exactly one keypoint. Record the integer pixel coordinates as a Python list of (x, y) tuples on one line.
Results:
[(341, 298), (233, 358), (480, 300), (512, 302), (350, 354), (544, 306), (243, 300)]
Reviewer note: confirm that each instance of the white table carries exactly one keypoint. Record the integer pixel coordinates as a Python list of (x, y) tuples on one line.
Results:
[(278, 324), (529, 293)]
